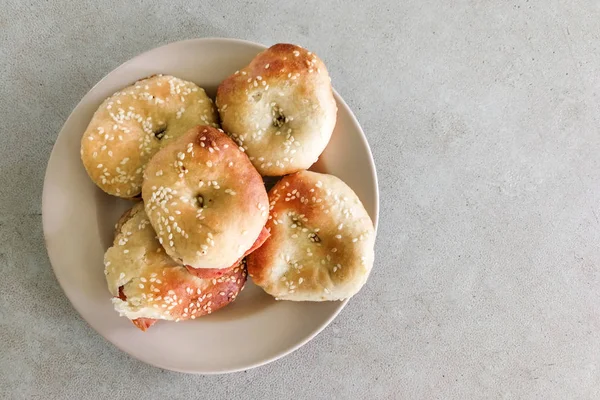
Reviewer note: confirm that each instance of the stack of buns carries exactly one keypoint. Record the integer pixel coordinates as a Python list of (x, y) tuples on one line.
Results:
[(205, 220)]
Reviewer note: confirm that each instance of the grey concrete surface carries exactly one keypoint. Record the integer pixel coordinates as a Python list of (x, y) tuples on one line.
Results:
[(483, 117)]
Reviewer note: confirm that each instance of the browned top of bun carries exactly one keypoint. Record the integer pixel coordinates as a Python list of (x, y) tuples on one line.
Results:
[(205, 200), (321, 244), (133, 124), (280, 109)]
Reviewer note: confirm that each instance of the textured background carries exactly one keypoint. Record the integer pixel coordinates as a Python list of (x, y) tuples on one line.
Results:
[(483, 118)]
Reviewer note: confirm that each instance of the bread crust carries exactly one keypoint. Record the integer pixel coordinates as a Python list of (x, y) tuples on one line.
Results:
[(146, 284), (322, 240), (280, 109), (205, 200), (130, 126)]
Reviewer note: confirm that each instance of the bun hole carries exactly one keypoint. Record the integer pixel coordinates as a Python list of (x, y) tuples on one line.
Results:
[(278, 117), (257, 96), (202, 202), (160, 132)]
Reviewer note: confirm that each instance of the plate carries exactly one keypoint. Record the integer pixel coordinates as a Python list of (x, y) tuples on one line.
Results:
[(79, 220)]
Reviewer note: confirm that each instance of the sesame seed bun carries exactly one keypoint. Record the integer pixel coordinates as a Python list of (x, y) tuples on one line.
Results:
[(322, 241), (133, 124), (147, 285), (205, 200), (280, 109)]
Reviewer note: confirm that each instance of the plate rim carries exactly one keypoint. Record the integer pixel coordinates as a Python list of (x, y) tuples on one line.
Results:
[(53, 260)]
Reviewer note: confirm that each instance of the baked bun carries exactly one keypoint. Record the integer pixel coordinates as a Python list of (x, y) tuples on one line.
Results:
[(280, 109), (148, 285), (321, 244), (132, 125), (205, 200)]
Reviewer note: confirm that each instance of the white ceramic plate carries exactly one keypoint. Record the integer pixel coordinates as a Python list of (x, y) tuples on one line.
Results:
[(79, 220)]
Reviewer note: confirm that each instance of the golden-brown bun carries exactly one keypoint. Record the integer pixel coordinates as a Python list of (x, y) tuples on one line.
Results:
[(280, 109), (321, 244), (205, 200), (132, 125), (148, 285)]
